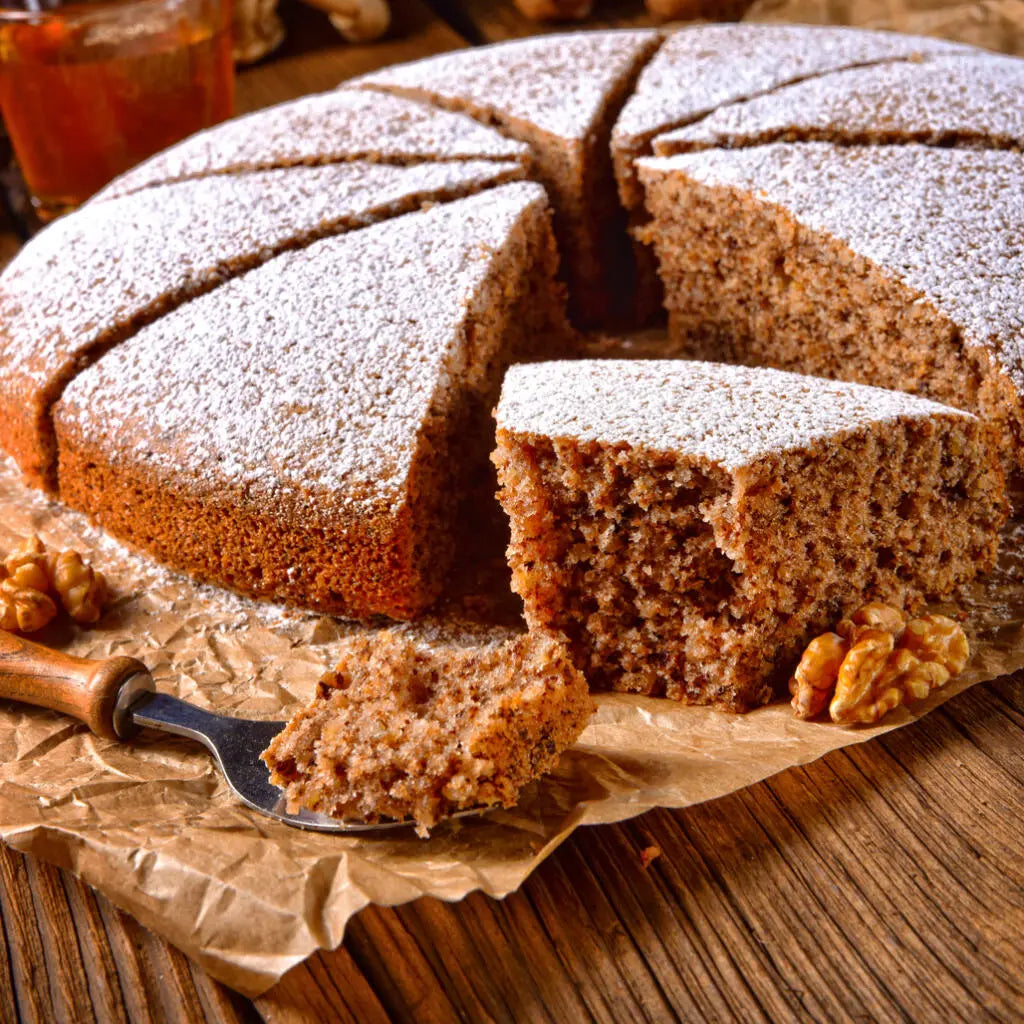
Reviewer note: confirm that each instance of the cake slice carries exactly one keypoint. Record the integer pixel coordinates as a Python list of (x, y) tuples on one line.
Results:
[(961, 100), (307, 432), (94, 277), (893, 265), (425, 720), (700, 69), (325, 128), (689, 526), (706, 67), (560, 94)]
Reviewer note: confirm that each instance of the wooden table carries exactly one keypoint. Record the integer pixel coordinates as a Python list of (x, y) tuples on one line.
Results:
[(884, 882)]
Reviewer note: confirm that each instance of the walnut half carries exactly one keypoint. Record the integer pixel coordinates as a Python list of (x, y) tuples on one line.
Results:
[(33, 580), (876, 661)]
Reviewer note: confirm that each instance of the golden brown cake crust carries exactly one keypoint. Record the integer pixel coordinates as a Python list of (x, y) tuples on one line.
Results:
[(288, 412)]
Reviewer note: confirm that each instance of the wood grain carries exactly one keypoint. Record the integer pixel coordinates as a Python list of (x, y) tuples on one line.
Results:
[(882, 883)]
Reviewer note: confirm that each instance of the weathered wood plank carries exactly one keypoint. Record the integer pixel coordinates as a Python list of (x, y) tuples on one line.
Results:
[(883, 882)]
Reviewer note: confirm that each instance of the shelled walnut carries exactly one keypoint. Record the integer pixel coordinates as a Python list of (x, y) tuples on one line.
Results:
[(33, 580), (875, 661)]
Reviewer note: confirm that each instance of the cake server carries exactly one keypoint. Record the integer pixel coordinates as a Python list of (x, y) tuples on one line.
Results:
[(116, 697)]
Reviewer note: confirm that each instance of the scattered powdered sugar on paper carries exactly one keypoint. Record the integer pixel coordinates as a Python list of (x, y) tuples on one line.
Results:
[(977, 97), (308, 379), (560, 83), (949, 223), (700, 69), (330, 127), (96, 274), (728, 415)]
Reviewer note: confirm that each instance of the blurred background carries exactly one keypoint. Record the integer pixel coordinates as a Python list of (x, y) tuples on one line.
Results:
[(88, 90)]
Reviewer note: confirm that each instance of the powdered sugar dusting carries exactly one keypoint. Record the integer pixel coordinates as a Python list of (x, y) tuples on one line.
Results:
[(305, 383), (727, 415), (560, 83), (974, 97), (345, 124), (93, 273), (949, 223), (700, 69)]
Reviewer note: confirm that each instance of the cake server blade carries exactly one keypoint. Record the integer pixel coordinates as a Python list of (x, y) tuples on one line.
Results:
[(116, 697)]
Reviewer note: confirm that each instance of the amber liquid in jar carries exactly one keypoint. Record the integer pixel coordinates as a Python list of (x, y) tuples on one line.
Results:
[(84, 99)]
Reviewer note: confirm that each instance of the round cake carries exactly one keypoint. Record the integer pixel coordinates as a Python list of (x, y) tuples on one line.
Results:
[(269, 355)]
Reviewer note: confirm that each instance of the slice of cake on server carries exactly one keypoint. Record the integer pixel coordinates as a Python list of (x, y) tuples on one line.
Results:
[(689, 526)]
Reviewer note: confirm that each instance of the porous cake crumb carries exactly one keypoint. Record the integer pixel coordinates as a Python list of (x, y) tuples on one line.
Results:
[(898, 266), (425, 720), (688, 526)]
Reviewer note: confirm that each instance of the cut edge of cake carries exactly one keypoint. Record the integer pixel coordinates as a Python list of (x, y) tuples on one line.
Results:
[(572, 161), (689, 526), (911, 287)]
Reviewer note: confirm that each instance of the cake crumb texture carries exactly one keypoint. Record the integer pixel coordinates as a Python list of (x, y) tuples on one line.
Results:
[(893, 265), (422, 721), (689, 526)]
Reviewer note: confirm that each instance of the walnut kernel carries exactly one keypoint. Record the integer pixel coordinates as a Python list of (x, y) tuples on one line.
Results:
[(875, 661), (82, 589)]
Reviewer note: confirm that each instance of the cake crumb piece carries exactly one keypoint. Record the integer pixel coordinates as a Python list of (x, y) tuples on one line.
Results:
[(423, 720)]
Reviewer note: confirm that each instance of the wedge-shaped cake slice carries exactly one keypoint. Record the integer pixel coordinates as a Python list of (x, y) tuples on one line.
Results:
[(559, 94), (94, 277), (893, 265), (961, 100), (689, 526), (306, 432), (425, 720), (700, 69), (330, 127)]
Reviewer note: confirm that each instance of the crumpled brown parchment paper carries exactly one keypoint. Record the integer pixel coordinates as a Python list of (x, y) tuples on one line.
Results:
[(153, 826)]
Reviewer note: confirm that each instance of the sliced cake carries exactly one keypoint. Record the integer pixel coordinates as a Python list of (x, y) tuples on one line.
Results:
[(307, 431), (422, 721), (560, 94), (700, 69), (959, 100), (893, 265), (706, 67), (330, 127), (689, 526), (94, 277)]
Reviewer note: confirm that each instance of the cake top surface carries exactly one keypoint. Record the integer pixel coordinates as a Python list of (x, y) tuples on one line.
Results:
[(700, 69), (953, 229), (559, 83), (727, 415), (91, 273), (312, 375), (969, 95), (345, 124)]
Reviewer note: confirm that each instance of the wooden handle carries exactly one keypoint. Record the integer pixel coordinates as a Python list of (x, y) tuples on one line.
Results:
[(86, 690)]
